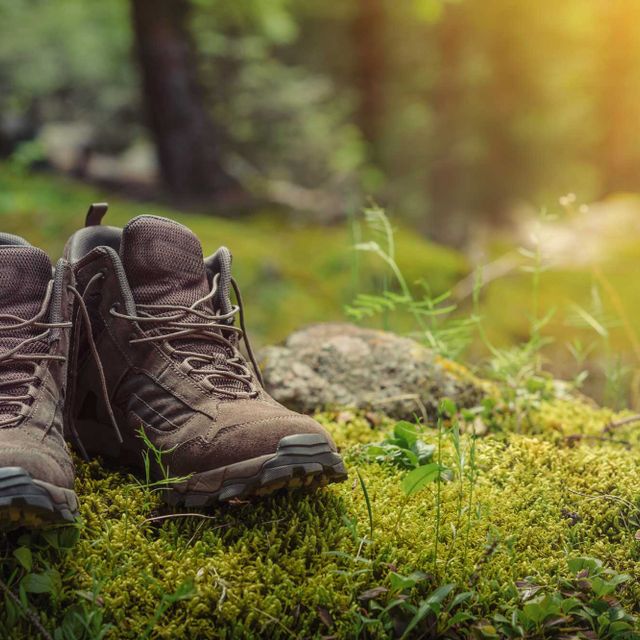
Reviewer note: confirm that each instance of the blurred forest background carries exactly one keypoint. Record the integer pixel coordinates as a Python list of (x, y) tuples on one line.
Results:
[(464, 118)]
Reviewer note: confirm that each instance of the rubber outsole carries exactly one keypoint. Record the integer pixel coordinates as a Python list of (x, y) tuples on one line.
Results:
[(302, 460), (25, 502)]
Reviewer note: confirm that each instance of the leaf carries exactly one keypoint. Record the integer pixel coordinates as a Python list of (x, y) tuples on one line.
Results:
[(591, 321), (424, 451), (569, 604), (459, 599), (603, 587), (367, 246), (325, 616), (367, 500), (24, 557), (411, 457), (461, 616), (429, 605), (419, 478), (371, 594), (63, 538), (406, 431), (527, 589), (375, 450), (424, 609), (45, 582), (402, 583), (576, 565), (437, 596), (533, 612), (447, 408)]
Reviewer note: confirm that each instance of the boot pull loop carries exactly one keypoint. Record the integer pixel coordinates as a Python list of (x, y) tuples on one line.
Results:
[(95, 214)]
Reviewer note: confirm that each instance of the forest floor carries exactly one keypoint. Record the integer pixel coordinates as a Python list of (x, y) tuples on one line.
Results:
[(533, 531), (529, 526)]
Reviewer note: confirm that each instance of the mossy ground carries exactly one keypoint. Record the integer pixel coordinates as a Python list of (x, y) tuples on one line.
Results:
[(277, 567), (298, 565)]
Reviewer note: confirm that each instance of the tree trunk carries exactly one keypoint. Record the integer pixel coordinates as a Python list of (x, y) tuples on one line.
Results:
[(618, 155), (184, 135), (446, 187), (368, 38)]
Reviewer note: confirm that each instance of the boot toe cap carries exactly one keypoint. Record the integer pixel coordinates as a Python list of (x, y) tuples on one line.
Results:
[(256, 431), (38, 465)]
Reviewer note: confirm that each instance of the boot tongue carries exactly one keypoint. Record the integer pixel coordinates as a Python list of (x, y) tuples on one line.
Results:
[(164, 265), (25, 273), (163, 262)]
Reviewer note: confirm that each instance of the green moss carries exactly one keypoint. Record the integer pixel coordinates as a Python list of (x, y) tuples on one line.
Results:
[(265, 569)]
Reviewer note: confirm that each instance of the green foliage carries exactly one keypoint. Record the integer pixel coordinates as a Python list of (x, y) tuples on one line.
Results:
[(153, 461), (419, 478), (430, 315), (583, 607), (403, 447), (400, 611), (69, 60), (286, 128), (32, 577), (464, 526)]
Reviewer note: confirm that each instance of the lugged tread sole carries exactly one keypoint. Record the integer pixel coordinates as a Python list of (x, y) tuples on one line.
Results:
[(302, 460), (25, 502)]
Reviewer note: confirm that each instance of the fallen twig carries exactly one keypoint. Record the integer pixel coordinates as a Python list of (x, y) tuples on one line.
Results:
[(180, 515), (621, 423), (605, 496), (583, 436), (30, 613)]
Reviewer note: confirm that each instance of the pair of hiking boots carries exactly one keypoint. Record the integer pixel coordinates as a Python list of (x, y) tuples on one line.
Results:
[(132, 342)]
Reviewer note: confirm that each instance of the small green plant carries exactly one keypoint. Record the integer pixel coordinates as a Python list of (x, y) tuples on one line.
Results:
[(367, 500), (601, 323), (152, 455), (30, 582), (432, 314), (407, 609), (403, 448), (522, 382), (583, 607), (518, 370), (85, 619), (185, 591), (465, 462)]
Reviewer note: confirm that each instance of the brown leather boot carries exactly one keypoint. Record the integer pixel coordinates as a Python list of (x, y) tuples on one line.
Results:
[(36, 471), (158, 356)]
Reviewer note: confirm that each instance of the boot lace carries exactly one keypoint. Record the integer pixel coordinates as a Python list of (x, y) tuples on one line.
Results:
[(14, 405), (166, 323)]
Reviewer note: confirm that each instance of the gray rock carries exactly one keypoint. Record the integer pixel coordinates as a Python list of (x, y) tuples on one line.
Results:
[(341, 365)]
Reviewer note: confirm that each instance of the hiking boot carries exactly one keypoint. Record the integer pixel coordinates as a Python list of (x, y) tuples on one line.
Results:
[(36, 471), (157, 368)]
